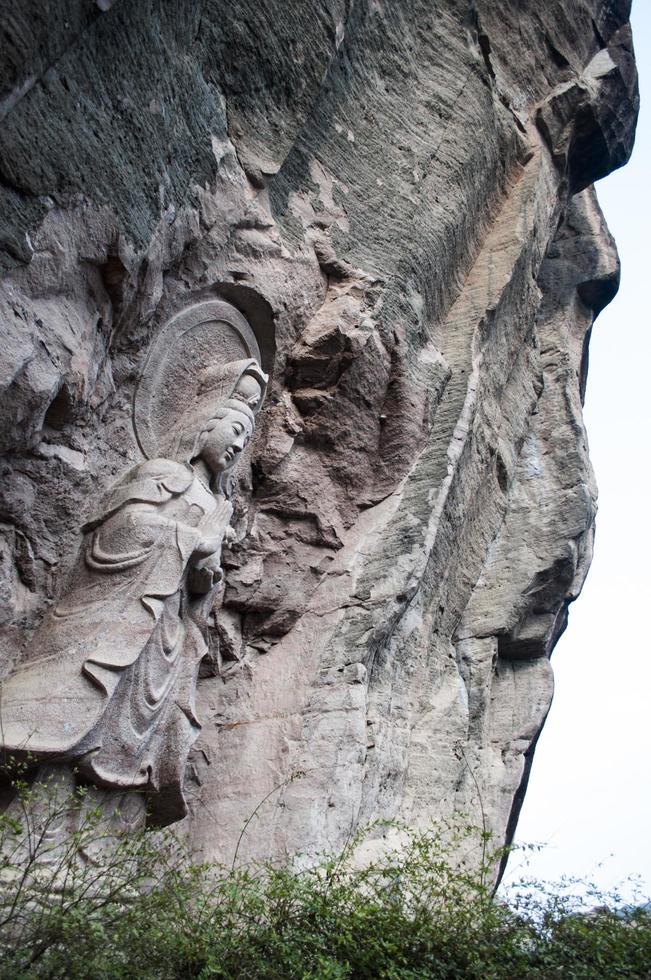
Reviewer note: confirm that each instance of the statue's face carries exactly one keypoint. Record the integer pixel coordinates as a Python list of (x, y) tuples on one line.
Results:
[(223, 440)]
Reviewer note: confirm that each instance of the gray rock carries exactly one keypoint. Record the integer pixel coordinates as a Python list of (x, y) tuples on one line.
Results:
[(397, 197)]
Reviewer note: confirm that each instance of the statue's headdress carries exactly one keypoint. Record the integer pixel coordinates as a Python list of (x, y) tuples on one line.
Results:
[(203, 363)]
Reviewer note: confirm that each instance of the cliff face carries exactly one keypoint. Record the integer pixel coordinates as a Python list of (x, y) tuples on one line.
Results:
[(398, 198)]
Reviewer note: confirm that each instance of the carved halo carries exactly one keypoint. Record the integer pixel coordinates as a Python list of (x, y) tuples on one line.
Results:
[(190, 344)]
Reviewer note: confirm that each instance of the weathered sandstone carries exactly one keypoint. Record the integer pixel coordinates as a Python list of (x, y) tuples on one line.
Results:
[(397, 196)]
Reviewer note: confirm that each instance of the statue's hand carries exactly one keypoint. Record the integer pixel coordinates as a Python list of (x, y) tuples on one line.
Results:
[(205, 572), (205, 575), (215, 529), (223, 512)]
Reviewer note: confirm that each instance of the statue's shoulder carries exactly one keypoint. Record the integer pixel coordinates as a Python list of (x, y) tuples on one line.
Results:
[(174, 477), (154, 481)]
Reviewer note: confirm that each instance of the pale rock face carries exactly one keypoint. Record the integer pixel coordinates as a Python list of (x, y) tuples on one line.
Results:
[(397, 197)]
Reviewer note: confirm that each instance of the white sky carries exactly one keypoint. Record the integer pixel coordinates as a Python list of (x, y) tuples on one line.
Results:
[(589, 797)]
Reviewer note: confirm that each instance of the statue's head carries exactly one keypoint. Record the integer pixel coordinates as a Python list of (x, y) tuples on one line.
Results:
[(224, 436), (200, 362), (223, 417)]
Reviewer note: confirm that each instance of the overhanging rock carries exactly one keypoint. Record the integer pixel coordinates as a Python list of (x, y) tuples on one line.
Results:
[(396, 199)]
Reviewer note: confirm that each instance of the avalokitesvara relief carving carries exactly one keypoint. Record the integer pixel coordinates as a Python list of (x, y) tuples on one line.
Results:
[(111, 688), (295, 306)]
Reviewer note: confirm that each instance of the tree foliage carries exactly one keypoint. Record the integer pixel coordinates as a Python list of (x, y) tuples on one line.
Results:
[(86, 905)]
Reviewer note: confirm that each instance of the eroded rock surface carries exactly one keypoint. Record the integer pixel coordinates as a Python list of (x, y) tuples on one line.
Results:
[(398, 198)]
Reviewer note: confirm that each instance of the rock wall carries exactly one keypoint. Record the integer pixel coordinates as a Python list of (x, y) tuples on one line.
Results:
[(398, 198)]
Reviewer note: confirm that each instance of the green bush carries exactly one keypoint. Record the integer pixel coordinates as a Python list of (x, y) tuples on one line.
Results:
[(88, 906)]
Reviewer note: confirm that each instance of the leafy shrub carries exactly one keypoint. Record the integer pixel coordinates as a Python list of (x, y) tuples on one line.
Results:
[(85, 905)]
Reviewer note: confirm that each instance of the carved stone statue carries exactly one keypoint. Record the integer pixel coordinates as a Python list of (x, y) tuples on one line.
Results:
[(110, 687)]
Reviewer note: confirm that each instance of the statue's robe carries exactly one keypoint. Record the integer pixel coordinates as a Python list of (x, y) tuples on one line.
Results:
[(110, 683)]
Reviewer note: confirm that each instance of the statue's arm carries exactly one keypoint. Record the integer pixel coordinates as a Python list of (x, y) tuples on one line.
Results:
[(158, 506), (153, 482), (148, 510), (206, 571)]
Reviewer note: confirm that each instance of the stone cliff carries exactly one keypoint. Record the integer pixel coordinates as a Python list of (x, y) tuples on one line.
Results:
[(398, 197)]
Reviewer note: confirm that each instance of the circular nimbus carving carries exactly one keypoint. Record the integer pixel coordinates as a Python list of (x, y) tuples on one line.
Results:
[(200, 338)]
